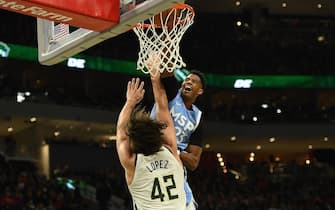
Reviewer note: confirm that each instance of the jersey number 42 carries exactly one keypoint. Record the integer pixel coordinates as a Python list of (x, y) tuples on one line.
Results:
[(169, 185)]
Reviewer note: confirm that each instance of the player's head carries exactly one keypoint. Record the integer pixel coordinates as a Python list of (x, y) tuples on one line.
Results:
[(201, 77), (145, 134), (193, 85)]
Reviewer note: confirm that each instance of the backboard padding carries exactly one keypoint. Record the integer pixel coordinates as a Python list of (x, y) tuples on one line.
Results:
[(51, 53)]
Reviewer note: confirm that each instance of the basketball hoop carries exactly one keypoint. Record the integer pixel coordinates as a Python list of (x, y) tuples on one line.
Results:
[(159, 37)]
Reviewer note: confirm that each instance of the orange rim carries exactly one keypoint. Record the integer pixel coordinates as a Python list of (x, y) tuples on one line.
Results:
[(177, 7)]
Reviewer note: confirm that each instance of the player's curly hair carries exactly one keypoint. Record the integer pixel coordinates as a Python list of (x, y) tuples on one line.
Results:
[(145, 133)]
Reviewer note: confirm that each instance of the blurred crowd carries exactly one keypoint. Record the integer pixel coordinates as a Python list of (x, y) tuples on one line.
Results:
[(22, 188), (253, 185), (288, 187)]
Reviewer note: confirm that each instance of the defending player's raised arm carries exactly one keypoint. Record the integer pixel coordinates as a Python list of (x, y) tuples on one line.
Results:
[(163, 114), (135, 93)]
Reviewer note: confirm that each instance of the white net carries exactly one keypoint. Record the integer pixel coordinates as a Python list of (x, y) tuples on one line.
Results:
[(159, 38)]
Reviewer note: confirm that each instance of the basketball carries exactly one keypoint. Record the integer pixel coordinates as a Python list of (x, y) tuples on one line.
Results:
[(166, 18)]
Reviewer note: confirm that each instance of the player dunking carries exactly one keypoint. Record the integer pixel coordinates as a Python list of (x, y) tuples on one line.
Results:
[(186, 116), (187, 121), (147, 151)]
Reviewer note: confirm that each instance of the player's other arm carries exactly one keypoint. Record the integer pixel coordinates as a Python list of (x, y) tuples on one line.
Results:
[(135, 93), (191, 157)]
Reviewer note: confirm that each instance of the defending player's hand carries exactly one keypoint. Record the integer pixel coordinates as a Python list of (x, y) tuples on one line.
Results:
[(135, 91), (153, 63), (155, 75)]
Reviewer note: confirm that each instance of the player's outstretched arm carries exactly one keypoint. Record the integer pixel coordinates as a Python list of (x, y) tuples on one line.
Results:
[(163, 114), (135, 93)]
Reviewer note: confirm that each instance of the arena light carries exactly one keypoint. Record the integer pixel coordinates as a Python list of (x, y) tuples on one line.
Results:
[(265, 106), (243, 83), (10, 129), (4, 50), (321, 38), (234, 172), (76, 63), (33, 119), (238, 23), (20, 97), (56, 133)]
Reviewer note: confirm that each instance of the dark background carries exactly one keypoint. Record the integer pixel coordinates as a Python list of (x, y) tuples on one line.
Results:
[(273, 40)]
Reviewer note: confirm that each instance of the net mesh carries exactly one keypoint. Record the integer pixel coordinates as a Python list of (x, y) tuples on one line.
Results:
[(159, 38)]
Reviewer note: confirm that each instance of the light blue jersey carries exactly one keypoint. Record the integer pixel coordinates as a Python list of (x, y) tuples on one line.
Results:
[(186, 122)]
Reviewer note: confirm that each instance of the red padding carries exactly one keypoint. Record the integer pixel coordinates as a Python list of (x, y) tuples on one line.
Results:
[(97, 15)]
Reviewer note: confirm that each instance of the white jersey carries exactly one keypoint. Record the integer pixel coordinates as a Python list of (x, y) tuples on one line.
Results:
[(158, 182)]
